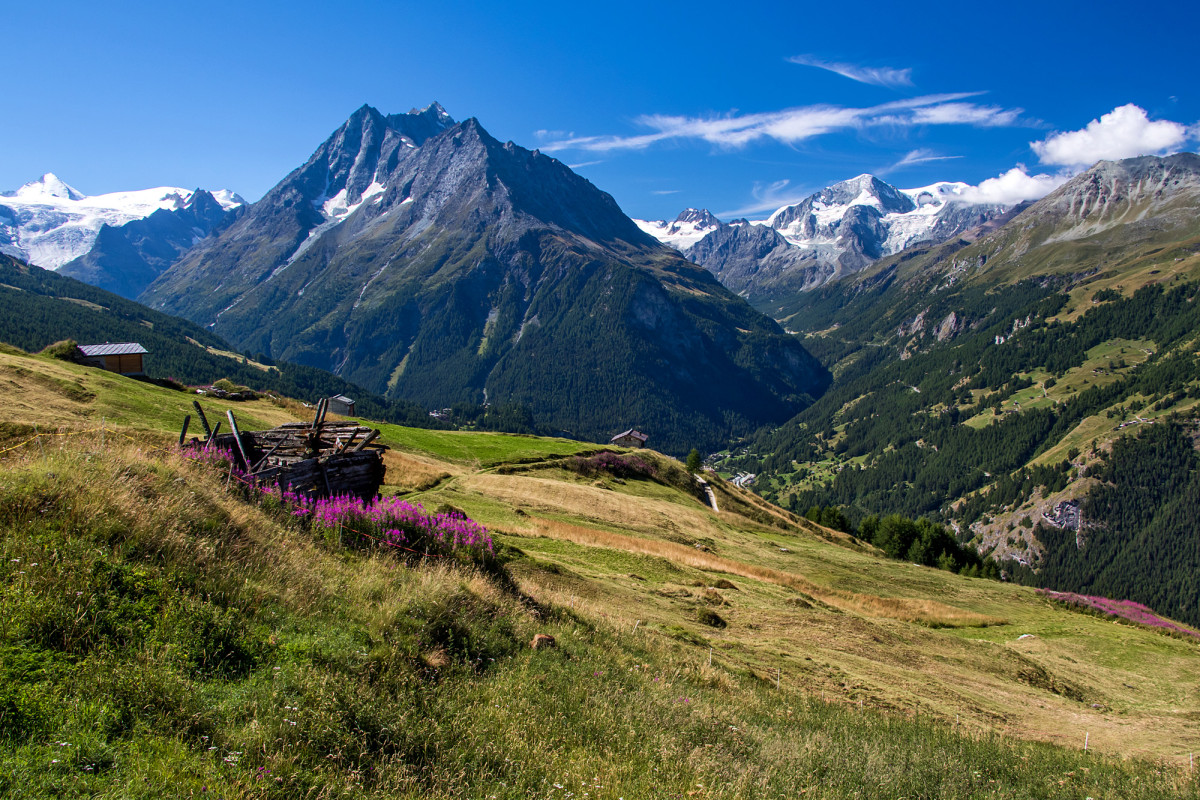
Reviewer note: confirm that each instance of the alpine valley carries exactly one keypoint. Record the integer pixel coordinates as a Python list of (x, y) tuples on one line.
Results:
[(916, 407), (993, 368)]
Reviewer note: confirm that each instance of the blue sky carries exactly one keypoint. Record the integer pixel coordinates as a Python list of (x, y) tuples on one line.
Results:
[(737, 107)]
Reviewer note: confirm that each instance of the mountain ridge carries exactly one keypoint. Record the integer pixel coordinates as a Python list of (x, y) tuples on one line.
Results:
[(837, 231)]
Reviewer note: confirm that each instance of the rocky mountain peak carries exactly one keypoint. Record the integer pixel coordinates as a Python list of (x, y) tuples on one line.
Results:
[(699, 217), (419, 125)]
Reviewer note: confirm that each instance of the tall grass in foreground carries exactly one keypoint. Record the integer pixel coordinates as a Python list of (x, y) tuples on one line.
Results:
[(161, 637)]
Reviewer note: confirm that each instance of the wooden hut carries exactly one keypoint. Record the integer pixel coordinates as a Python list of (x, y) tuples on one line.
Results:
[(630, 438), (122, 357), (340, 404)]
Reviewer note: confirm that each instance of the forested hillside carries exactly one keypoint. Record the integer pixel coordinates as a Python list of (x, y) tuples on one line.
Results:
[(1139, 538), (39, 307), (924, 431)]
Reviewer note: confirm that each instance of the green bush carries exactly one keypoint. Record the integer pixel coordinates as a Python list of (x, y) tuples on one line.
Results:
[(64, 350)]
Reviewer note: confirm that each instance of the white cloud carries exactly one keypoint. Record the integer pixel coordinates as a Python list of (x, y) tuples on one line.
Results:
[(665, 191), (793, 125), (583, 164), (767, 197), (1013, 187), (876, 76), (1124, 132)]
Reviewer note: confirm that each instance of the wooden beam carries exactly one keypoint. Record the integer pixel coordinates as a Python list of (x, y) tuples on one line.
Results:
[(212, 435), (370, 438), (187, 418), (318, 415), (203, 419), (237, 437), (263, 460)]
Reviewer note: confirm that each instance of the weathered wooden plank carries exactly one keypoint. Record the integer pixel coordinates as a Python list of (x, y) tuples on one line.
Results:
[(212, 435), (370, 438), (183, 433), (262, 460)]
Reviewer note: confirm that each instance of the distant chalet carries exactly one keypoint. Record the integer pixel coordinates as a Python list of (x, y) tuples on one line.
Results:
[(630, 438), (122, 357), (340, 404)]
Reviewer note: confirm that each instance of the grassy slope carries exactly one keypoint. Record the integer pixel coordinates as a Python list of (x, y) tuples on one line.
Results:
[(387, 671)]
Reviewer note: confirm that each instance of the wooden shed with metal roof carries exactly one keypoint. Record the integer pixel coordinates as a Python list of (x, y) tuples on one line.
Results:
[(122, 357)]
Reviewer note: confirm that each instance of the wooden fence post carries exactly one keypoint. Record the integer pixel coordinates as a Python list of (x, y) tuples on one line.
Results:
[(203, 419), (237, 437)]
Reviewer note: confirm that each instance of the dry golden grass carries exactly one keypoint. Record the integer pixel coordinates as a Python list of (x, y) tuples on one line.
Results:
[(921, 611), (414, 473), (50, 393), (651, 516)]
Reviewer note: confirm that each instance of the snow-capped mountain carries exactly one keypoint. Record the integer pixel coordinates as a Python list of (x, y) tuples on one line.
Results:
[(692, 225), (49, 223), (835, 232), (900, 217)]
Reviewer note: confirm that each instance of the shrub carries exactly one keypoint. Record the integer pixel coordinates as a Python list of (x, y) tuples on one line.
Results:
[(618, 466), (64, 350), (711, 618)]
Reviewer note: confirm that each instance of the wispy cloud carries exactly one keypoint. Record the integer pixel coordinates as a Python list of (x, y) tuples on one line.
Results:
[(1124, 132), (583, 164), (876, 76), (768, 197), (912, 158), (665, 191), (794, 125)]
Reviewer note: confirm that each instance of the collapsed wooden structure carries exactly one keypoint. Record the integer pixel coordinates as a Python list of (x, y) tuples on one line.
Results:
[(316, 459)]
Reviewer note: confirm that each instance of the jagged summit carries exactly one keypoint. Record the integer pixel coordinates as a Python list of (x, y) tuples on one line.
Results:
[(698, 216), (692, 225), (863, 190)]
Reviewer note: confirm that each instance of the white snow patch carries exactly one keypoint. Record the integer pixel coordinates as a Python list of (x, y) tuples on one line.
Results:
[(336, 207), (680, 235)]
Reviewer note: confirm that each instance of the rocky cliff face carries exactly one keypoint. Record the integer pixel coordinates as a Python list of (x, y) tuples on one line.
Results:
[(421, 257)]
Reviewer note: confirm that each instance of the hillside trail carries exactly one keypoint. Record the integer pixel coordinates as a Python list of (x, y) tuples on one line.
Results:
[(712, 497)]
